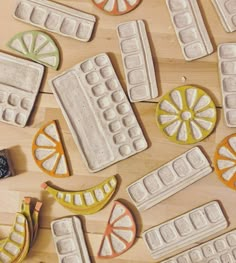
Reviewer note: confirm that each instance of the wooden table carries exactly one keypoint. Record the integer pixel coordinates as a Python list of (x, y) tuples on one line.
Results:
[(171, 71)]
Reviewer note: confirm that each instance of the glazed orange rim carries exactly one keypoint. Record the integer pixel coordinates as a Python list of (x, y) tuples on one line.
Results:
[(225, 161), (115, 9)]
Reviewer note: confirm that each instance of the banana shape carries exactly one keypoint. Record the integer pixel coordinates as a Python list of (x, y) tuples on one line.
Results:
[(25, 210), (35, 218), (87, 201)]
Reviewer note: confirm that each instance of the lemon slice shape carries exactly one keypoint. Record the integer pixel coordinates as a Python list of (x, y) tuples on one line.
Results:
[(85, 202), (120, 232), (37, 46), (48, 152), (225, 161), (117, 7), (186, 115)]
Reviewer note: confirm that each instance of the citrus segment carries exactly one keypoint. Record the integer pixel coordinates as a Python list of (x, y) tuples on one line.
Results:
[(48, 152), (186, 115), (120, 232)]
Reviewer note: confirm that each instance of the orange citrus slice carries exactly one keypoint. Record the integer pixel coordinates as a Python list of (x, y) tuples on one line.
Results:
[(48, 151), (225, 161), (120, 232)]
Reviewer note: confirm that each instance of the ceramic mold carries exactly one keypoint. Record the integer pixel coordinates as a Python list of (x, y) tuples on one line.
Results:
[(185, 230), (98, 113), (37, 46), (69, 240), (48, 151), (224, 161), (120, 232), (85, 202), (226, 10), (190, 29), (6, 168), (56, 18), (20, 81), (227, 62), (186, 115), (137, 61), (117, 7), (221, 249), (169, 179)]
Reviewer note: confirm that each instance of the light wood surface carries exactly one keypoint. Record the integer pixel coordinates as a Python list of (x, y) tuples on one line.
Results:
[(171, 71)]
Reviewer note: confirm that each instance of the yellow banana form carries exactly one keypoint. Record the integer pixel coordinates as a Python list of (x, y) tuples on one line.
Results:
[(25, 210), (85, 202)]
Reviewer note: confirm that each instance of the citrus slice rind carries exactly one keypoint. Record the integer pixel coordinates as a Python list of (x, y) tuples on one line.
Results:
[(85, 202), (48, 152), (37, 46), (117, 7), (225, 161), (120, 232), (186, 115)]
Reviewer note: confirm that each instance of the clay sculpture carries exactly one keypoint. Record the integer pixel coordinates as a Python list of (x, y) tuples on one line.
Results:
[(6, 168)]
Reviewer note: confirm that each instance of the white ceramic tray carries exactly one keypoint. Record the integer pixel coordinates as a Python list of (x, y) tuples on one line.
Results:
[(169, 179), (69, 240), (190, 29), (227, 12), (20, 81), (137, 61), (98, 113), (56, 18), (227, 69), (219, 250), (184, 230)]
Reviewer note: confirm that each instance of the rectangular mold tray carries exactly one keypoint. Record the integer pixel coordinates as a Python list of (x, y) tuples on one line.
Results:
[(137, 61), (20, 81), (221, 249), (169, 179), (56, 18), (69, 240), (184, 230), (98, 113), (227, 70), (190, 29), (227, 12)]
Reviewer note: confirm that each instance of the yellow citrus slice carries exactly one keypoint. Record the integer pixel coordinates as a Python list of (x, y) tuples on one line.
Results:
[(120, 232), (225, 161), (48, 151), (186, 115), (37, 46), (87, 201)]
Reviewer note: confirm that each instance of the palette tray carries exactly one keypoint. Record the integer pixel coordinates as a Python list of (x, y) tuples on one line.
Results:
[(56, 18), (6, 168), (20, 81), (98, 113), (69, 240), (137, 61), (221, 249), (185, 230), (190, 29), (227, 69), (169, 179), (227, 13)]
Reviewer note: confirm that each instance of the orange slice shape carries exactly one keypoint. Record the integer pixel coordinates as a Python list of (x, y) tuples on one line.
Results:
[(48, 152), (225, 161), (120, 232), (117, 7)]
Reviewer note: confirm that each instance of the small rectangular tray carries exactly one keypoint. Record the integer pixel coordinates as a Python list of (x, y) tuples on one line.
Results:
[(98, 113), (227, 72), (184, 230), (69, 240), (220, 249), (190, 29), (56, 18), (137, 61), (20, 81), (227, 13), (169, 179)]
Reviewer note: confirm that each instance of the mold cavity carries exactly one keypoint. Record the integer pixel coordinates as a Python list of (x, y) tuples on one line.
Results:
[(99, 195), (101, 60), (194, 50), (62, 228), (230, 101), (129, 121), (20, 119), (23, 11), (130, 45), (106, 188), (109, 114), (3, 96), (103, 102), (181, 168), (117, 96), (126, 30), (228, 51), (83, 31), (231, 117), (229, 67), (65, 246), (125, 150), (137, 192), (134, 132), (119, 138), (133, 61), (230, 6), (183, 20), (13, 99), (26, 104), (166, 176), (8, 115), (92, 78), (229, 84), (195, 159), (38, 16), (136, 77), (140, 145), (98, 90), (89, 200), (115, 126), (106, 72), (188, 35), (177, 5), (123, 108), (87, 66), (151, 183), (53, 21), (112, 84), (68, 26)]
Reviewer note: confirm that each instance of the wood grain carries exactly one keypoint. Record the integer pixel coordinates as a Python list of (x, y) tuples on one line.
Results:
[(170, 70)]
